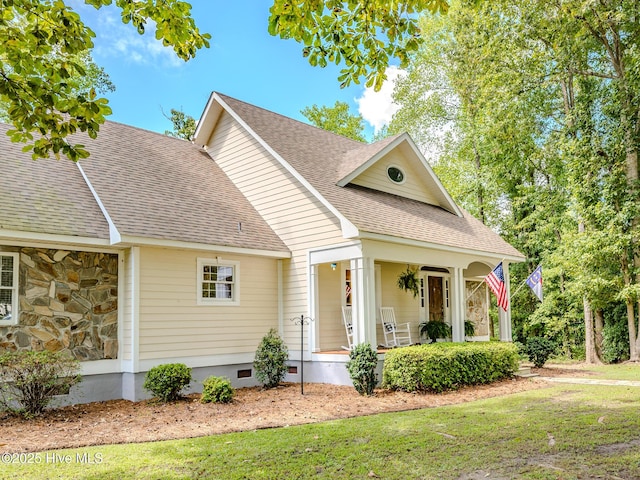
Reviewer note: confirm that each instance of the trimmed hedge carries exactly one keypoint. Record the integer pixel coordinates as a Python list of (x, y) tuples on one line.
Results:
[(166, 381), (217, 390), (447, 366)]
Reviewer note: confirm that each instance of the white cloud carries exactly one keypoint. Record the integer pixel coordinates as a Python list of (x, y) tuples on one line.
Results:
[(377, 108), (119, 40)]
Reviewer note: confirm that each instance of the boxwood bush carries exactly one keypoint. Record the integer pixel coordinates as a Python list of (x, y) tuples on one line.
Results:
[(217, 390), (445, 366), (166, 381)]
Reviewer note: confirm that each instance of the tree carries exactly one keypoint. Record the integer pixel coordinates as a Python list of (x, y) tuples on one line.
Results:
[(337, 119), (363, 35), (41, 42), (94, 77), (184, 126), (39, 39), (542, 99)]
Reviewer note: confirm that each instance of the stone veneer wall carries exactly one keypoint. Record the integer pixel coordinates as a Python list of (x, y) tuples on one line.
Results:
[(68, 301), (477, 307)]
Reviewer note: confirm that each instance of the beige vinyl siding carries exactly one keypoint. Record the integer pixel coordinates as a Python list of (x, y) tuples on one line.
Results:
[(332, 335), (406, 307), (299, 219), (173, 325), (414, 186)]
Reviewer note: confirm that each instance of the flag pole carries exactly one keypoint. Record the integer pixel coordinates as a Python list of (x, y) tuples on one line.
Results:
[(522, 284), (482, 282), (518, 289)]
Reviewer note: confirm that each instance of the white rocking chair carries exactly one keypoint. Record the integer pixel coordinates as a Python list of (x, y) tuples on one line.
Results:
[(348, 326), (394, 335)]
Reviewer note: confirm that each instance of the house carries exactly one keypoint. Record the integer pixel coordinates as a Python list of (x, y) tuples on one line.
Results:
[(157, 250)]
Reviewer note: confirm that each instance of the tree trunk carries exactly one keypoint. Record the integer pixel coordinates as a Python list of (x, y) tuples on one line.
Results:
[(479, 192), (631, 316), (599, 333), (589, 334)]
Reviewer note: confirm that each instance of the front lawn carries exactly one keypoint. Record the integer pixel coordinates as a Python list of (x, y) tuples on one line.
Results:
[(565, 432)]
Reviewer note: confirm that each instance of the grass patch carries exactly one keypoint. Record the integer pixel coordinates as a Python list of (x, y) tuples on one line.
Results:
[(569, 431), (626, 371)]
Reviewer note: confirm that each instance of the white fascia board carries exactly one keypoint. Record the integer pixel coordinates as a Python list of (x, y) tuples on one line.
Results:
[(19, 237), (159, 242), (349, 230), (440, 247), (114, 235), (391, 146), (335, 253), (381, 153), (434, 177), (207, 122)]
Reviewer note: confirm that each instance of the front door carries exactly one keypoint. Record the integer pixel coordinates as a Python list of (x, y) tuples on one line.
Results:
[(434, 293)]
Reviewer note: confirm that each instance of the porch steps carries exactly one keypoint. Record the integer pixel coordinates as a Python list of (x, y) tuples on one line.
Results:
[(525, 372)]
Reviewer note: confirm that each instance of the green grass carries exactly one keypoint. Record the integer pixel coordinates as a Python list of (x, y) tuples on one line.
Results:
[(627, 371), (565, 432)]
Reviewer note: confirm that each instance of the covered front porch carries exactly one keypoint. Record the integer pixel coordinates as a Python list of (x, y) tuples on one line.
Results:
[(363, 277)]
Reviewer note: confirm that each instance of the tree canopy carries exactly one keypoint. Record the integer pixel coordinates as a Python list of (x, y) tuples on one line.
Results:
[(184, 126), (337, 119), (364, 36), (540, 102), (40, 41)]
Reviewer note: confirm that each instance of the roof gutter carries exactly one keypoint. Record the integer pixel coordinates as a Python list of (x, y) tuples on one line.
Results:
[(130, 240), (440, 247)]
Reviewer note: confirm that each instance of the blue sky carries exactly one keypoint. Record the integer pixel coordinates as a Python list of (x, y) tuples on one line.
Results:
[(243, 61)]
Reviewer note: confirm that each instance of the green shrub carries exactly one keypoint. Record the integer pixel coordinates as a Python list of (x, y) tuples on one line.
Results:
[(363, 360), (539, 349), (435, 329), (615, 342), (166, 381), (32, 379), (271, 358), (217, 390), (443, 366)]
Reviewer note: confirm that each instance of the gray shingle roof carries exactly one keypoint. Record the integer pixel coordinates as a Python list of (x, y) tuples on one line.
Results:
[(152, 186), (45, 196), (323, 158)]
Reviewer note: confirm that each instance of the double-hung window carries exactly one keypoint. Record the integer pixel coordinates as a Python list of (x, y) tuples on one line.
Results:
[(8, 288), (218, 282)]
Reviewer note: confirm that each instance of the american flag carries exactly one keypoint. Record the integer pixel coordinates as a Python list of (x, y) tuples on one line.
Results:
[(495, 280)]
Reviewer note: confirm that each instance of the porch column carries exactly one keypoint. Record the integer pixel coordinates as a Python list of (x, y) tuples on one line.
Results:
[(458, 305), (363, 302), (314, 326), (504, 318)]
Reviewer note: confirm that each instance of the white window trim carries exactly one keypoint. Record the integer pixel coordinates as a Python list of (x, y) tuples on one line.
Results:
[(402, 170), (14, 291), (218, 262)]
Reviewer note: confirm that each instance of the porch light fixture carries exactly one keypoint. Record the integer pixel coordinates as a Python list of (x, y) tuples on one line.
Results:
[(333, 266)]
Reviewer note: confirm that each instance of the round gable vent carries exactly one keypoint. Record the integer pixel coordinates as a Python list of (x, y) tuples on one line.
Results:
[(395, 174)]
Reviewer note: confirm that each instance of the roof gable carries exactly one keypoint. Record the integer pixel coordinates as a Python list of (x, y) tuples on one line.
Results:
[(330, 166), (158, 187), (419, 181)]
